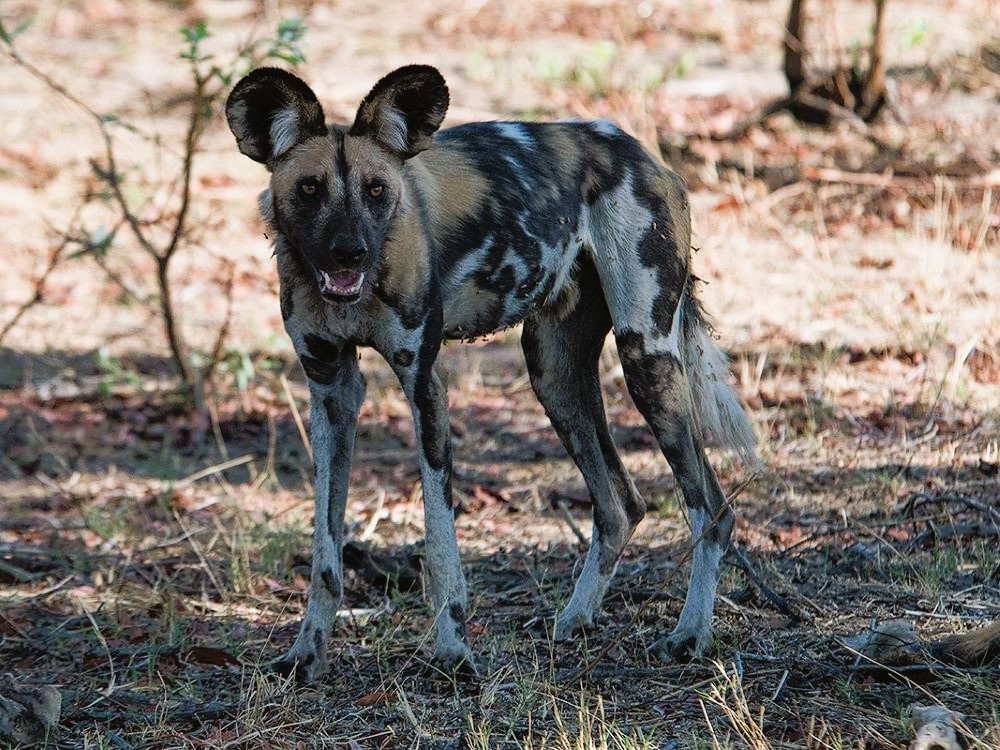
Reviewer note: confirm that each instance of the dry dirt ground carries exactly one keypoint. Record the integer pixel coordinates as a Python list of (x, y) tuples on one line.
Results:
[(854, 276)]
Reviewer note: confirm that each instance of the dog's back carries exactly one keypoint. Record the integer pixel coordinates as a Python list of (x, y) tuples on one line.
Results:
[(512, 205)]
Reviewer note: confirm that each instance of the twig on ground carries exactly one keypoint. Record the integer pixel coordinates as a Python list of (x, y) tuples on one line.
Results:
[(834, 110), (567, 517), (739, 559), (886, 179), (952, 530), (215, 469), (107, 651), (186, 712), (205, 565), (922, 498), (369, 530)]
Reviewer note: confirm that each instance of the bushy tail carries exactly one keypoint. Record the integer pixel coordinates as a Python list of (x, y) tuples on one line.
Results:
[(717, 405), (976, 648)]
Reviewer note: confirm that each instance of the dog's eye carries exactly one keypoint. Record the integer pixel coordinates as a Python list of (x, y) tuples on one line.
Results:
[(308, 188), (375, 191)]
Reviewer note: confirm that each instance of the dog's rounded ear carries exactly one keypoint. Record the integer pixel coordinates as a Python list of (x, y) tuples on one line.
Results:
[(270, 110), (403, 110)]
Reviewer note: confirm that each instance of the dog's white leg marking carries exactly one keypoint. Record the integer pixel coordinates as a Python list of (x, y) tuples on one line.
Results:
[(588, 593), (428, 397), (449, 596), (336, 391), (694, 626)]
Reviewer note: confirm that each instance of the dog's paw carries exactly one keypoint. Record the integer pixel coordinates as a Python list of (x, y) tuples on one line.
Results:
[(571, 624), (306, 667), (682, 645), (455, 662)]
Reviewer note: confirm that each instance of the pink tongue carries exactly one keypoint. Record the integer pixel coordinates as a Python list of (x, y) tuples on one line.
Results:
[(345, 278)]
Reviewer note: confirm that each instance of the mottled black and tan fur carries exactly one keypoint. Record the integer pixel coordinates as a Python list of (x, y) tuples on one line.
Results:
[(392, 235)]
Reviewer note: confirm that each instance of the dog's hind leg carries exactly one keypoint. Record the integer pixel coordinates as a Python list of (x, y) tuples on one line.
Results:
[(562, 352), (673, 369), (662, 394)]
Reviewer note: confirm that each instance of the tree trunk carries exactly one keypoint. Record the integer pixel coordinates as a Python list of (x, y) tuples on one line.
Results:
[(820, 97), (795, 57), (873, 93)]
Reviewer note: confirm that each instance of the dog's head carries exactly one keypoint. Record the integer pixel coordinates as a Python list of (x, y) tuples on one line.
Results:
[(335, 191)]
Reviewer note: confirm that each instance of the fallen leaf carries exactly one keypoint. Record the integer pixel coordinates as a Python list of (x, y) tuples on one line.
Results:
[(377, 698), (879, 264)]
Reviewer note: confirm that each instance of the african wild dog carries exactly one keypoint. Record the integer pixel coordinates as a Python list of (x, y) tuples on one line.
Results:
[(392, 235)]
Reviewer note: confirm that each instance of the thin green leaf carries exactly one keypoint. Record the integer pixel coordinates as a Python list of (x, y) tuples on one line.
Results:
[(196, 33), (9, 35)]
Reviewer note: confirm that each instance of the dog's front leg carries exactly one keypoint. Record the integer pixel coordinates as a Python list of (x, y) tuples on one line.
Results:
[(428, 397), (336, 389)]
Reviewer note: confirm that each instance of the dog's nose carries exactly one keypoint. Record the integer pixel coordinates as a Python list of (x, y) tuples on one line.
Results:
[(350, 252)]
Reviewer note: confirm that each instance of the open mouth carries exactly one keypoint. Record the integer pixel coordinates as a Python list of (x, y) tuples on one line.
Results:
[(342, 285)]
